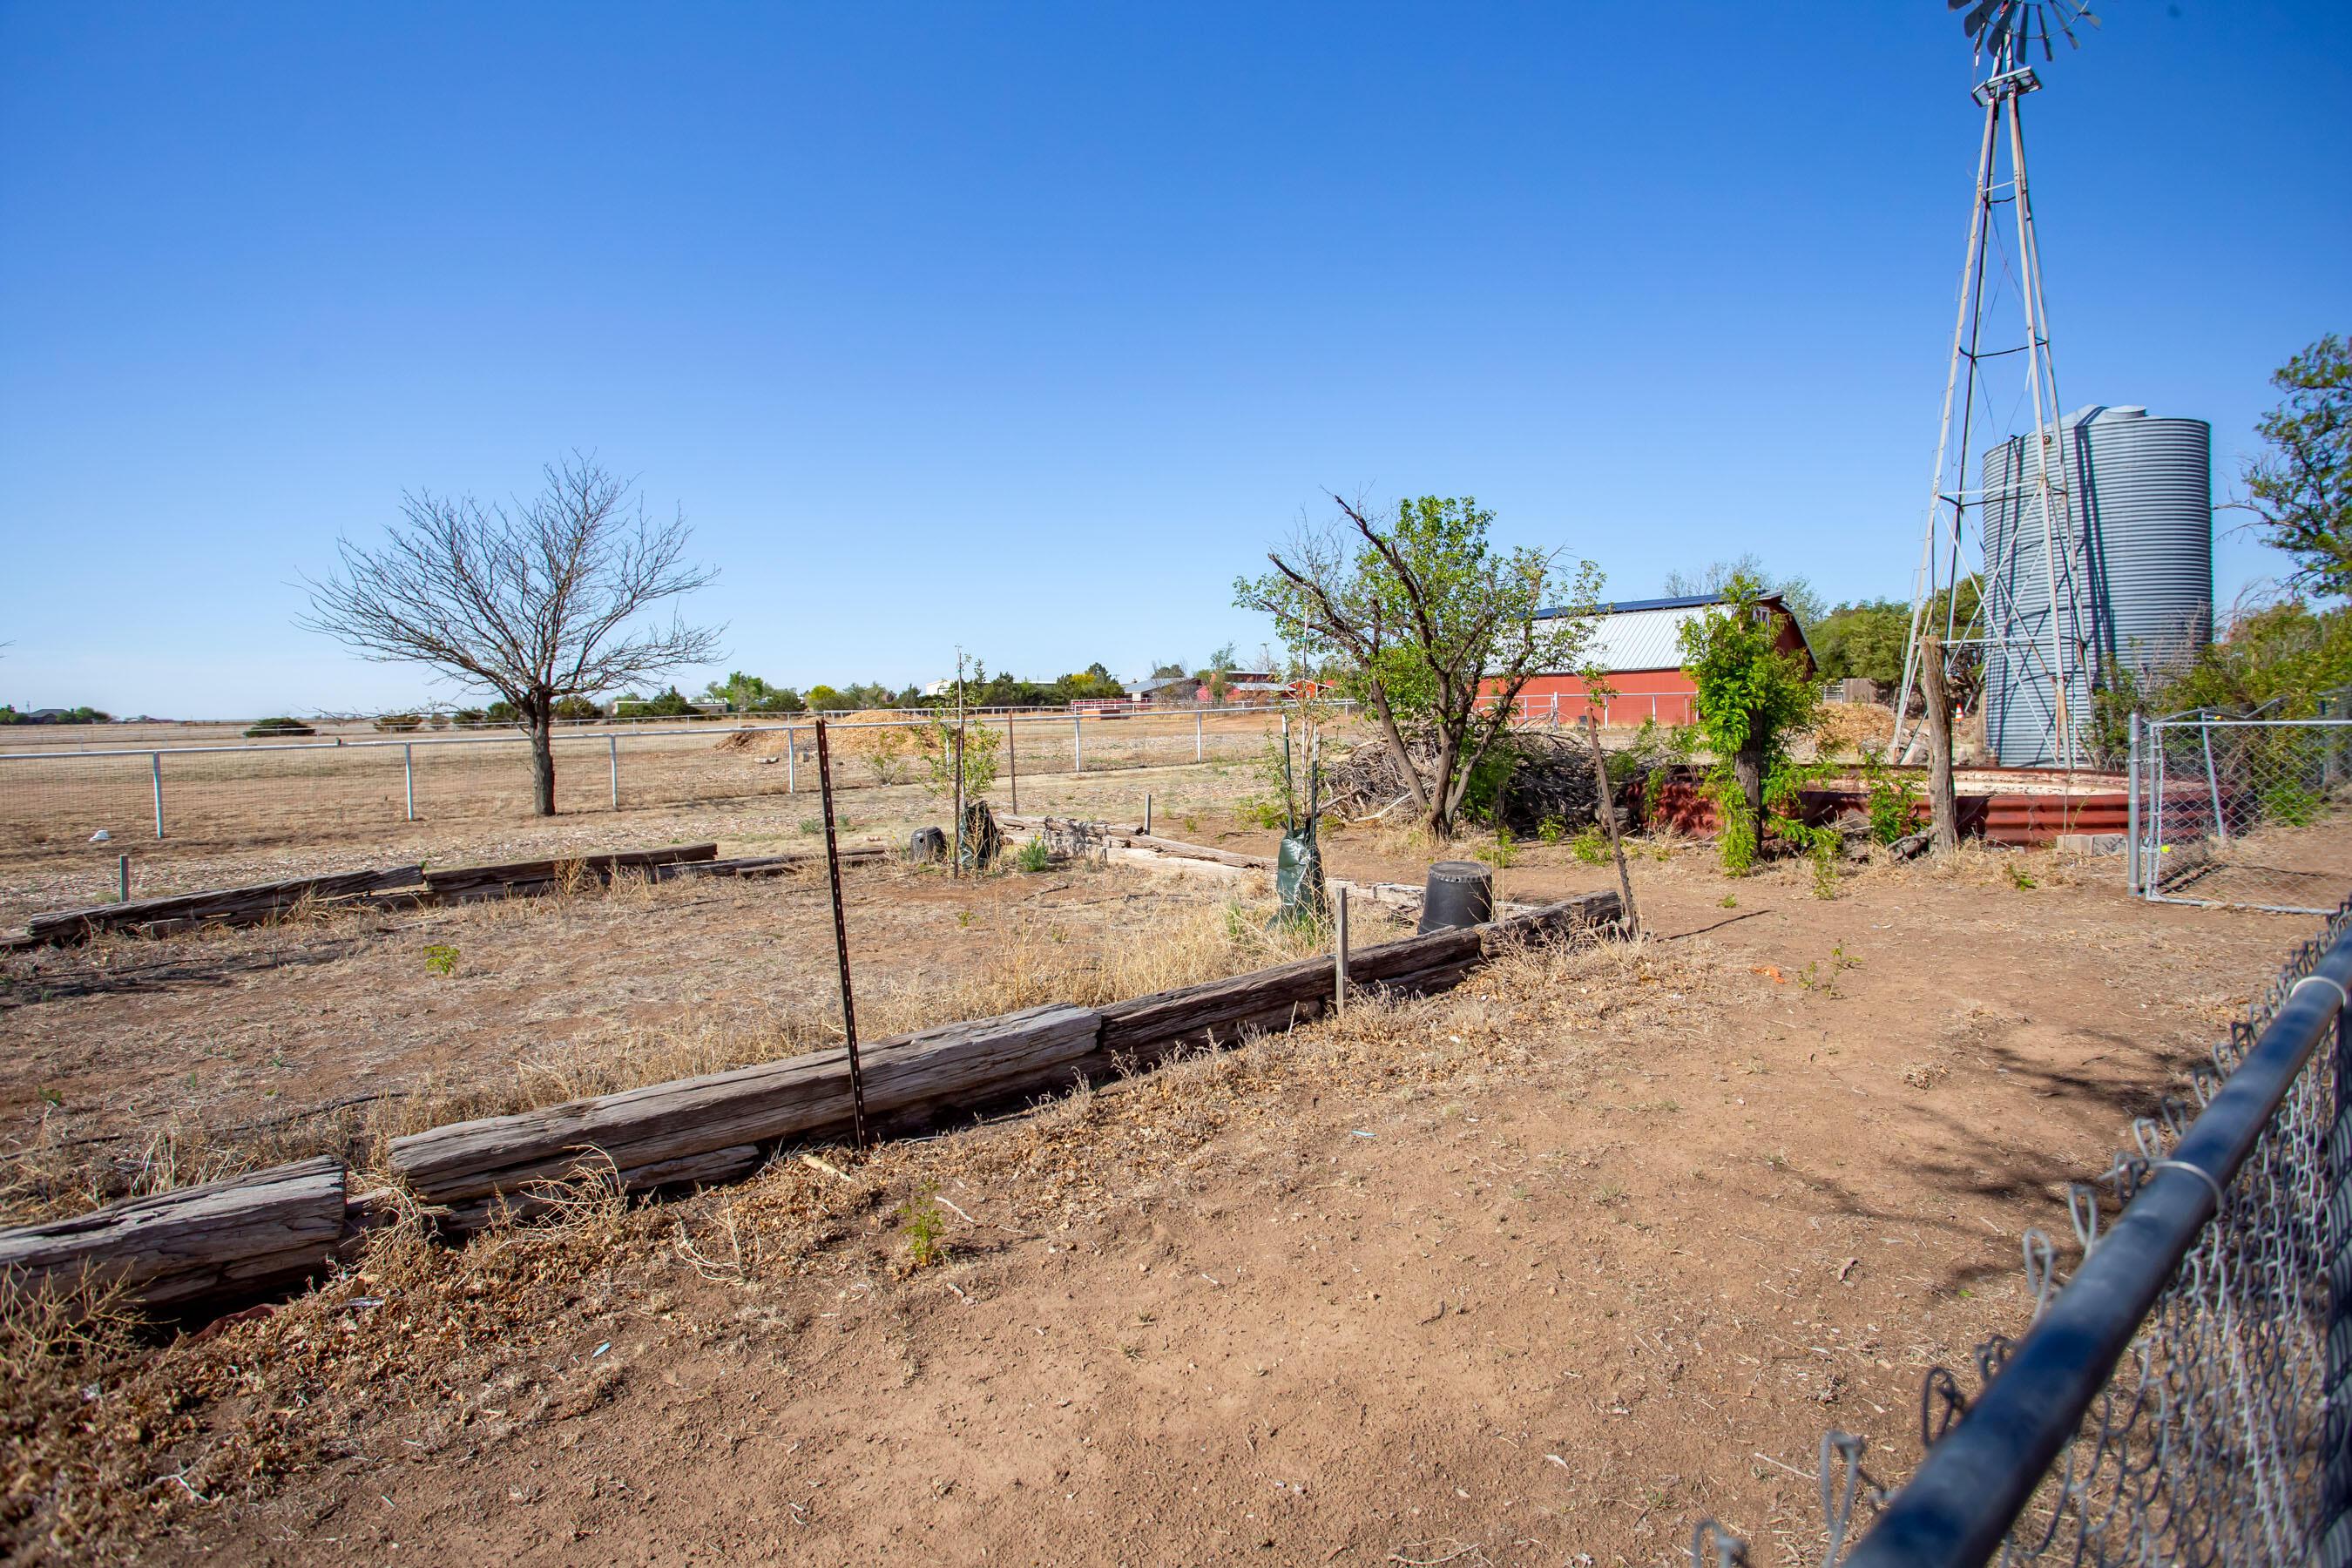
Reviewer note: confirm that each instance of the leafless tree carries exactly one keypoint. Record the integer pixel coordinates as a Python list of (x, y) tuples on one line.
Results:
[(534, 602)]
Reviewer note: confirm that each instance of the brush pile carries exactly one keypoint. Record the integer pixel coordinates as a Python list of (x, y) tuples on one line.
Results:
[(1552, 782)]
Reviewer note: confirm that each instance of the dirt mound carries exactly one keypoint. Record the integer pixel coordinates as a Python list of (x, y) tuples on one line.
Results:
[(1846, 728), (901, 741)]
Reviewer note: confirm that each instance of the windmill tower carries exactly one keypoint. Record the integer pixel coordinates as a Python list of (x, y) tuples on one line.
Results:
[(2032, 613)]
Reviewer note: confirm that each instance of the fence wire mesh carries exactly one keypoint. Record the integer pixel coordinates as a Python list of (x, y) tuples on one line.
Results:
[(2224, 807), (2222, 1435), (55, 799)]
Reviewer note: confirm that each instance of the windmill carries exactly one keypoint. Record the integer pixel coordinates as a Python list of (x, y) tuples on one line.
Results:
[(2048, 625)]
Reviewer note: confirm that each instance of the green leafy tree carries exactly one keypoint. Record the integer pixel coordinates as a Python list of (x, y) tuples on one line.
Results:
[(1862, 641), (2301, 487), (824, 699), (2282, 658), (1753, 701), (1438, 627), (1093, 682), (748, 694)]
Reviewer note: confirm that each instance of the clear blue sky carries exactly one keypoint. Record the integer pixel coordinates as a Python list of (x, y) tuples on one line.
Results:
[(1028, 327)]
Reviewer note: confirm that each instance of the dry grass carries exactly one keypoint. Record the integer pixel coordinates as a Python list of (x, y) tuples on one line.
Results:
[(1033, 955), (418, 1345)]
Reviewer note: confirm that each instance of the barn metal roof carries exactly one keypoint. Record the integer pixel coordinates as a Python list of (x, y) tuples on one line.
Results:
[(1645, 634)]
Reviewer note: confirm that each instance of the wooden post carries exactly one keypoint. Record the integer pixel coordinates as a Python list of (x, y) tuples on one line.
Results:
[(1147, 813), (1609, 821), (1944, 809), (841, 939), (1340, 963)]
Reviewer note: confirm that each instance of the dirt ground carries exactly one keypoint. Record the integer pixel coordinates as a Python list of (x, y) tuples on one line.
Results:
[(1538, 1272), (133, 1065)]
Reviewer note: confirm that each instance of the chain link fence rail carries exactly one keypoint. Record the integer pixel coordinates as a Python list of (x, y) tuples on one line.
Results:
[(2222, 808), (298, 791), (2186, 1396)]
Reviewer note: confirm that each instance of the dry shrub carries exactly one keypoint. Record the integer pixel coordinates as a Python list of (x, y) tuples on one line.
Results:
[(1977, 864)]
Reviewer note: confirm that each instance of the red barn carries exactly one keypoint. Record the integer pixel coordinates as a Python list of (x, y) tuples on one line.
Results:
[(1638, 643)]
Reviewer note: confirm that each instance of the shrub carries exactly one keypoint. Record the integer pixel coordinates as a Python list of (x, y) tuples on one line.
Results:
[(1893, 801), (1591, 846), (262, 729), (401, 723), (1033, 855), (1753, 701), (577, 709)]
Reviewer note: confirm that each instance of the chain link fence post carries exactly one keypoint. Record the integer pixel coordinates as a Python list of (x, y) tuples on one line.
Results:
[(614, 756), (155, 760), (2131, 812), (408, 776)]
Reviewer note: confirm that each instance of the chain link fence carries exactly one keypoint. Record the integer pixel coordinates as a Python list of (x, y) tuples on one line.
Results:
[(2186, 1396), (315, 789), (2223, 809)]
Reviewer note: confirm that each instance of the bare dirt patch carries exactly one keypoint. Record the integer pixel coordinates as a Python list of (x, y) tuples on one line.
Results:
[(1548, 1266)]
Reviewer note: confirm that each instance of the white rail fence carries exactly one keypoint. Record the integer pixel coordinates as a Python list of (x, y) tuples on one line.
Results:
[(282, 789)]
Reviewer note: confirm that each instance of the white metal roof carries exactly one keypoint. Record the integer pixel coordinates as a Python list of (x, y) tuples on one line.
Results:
[(1646, 634)]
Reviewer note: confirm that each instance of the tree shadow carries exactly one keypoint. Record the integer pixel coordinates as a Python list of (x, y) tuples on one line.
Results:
[(209, 970)]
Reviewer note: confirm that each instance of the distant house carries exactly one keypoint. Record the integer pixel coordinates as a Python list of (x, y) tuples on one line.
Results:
[(1637, 644), (1159, 689)]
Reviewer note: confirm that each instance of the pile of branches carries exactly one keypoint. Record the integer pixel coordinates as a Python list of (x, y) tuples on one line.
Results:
[(1551, 781)]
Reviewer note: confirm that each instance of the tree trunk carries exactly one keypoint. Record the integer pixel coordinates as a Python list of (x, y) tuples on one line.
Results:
[(1748, 771), (1943, 805), (1396, 744), (1444, 799), (539, 715)]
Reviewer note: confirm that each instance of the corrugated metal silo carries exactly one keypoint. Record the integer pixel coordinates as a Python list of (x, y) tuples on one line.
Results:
[(2134, 568)]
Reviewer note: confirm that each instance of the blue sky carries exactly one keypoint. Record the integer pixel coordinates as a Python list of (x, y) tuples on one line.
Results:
[(1028, 327)]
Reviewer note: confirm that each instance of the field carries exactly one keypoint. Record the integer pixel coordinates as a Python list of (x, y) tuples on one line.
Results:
[(1549, 1266), (353, 787)]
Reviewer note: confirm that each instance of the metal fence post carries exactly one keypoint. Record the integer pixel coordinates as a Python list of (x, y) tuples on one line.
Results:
[(2131, 812), (792, 749), (613, 755), (408, 776), (155, 760), (1077, 744), (1197, 752), (2213, 785), (2335, 1531), (1012, 760)]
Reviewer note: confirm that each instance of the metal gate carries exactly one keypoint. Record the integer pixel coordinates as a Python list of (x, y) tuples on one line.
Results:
[(2226, 812)]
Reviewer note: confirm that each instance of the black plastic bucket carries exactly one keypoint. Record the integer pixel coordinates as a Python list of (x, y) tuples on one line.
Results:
[(926, 845), (1458, 894)]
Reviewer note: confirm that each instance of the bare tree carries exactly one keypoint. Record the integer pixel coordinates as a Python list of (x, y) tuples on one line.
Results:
[(534, 602)]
